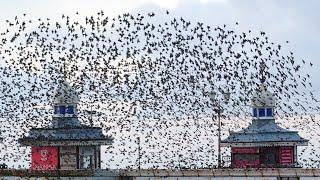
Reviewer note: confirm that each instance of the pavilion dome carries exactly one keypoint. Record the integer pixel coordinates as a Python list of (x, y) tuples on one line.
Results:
[(263, 98), (65, 94)]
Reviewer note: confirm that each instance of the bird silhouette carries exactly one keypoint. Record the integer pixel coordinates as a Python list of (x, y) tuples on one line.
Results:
[(147, 79)]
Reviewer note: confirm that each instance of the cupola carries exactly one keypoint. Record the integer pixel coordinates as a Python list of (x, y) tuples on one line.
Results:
[(65, 100), (263, 103)]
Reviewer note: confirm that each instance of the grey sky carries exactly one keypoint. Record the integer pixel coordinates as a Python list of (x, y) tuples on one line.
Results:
[(293, 20)]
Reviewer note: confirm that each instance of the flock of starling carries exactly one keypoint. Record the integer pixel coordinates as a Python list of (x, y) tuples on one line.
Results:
[(148, 76)]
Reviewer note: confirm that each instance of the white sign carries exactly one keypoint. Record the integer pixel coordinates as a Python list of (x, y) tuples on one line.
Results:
[(226, 158)]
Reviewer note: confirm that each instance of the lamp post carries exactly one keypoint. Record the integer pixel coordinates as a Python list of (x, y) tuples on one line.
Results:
[(218, 109), (138, 137), (139, 153)]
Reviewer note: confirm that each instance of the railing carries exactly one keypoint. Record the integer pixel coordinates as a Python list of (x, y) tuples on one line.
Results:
[(251, 172)]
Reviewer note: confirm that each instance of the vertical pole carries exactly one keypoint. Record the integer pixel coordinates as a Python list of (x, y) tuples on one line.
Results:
[(94, 158), (219, 137), (139, 154), (295, 159), (91, 118), (138, 139)]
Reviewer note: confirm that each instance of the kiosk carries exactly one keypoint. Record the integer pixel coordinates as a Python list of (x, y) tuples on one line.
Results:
[(263, 143), (65, 144)]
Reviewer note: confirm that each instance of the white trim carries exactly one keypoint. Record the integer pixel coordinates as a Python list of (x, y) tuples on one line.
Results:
[(263, 144), (68, 143), (263, 118), (64, 115), (295, 155)]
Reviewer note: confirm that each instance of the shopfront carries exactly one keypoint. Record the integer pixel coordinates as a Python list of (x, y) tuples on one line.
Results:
[(66, 143), (254, 157)]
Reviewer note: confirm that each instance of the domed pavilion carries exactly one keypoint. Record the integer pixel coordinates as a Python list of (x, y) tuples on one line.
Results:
[(65, 144), (263, 143)]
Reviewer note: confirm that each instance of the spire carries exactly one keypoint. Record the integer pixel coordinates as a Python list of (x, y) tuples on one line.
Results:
[(262, 69), (64, 71), (65, 94), (263, 98)]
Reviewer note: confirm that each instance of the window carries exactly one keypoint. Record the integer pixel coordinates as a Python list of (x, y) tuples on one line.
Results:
[(254, 112), (70, 110), (269, 112), (246, 160), (247, 157), (262, 112), (56, 109), (62, 109), (86, 157), (86, 161), (68, 157), (289, 178)]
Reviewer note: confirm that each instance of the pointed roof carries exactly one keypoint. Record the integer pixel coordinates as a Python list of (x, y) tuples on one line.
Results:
[(264, 133), (65, 94), (263, 98), (84, 135), (66, 131)]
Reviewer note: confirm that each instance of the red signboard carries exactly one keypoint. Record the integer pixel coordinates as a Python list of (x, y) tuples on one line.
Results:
[(245, 150), (286, 155), (44, 158)]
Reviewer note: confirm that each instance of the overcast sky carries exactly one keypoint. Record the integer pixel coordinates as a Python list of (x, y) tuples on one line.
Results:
[(293, 20), (297, 21)]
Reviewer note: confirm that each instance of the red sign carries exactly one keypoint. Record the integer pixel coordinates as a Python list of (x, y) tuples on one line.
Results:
[(44, 158), (245, 150), (286, 155)]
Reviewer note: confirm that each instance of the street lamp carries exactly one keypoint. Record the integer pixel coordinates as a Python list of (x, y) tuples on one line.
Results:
[(218, 109), (139, 153)]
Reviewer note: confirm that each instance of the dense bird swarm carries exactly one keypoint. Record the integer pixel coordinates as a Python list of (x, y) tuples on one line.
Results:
[(144, 75)]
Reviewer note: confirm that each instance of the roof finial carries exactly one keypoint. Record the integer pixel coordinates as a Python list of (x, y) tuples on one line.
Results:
[(262, 71), (262, 80), (64, 70)]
